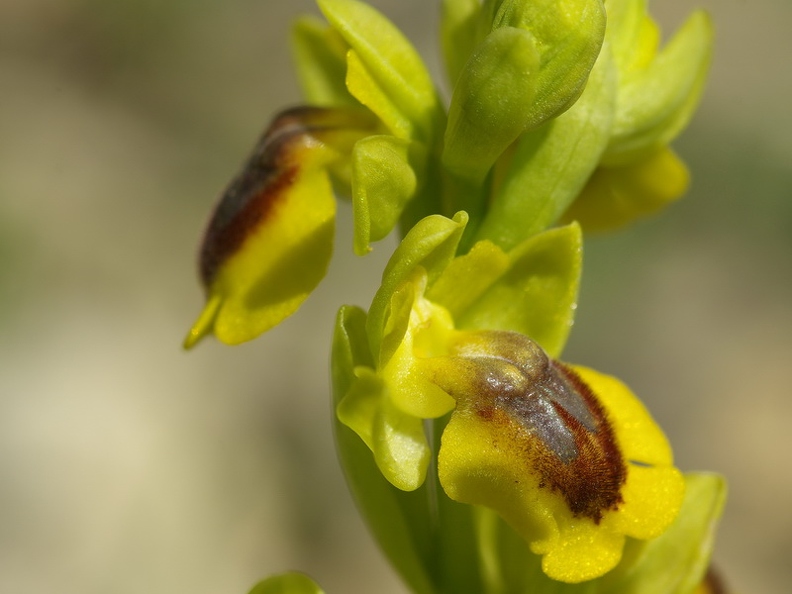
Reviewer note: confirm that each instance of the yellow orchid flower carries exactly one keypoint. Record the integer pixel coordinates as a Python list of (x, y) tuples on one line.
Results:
[(270, 238)]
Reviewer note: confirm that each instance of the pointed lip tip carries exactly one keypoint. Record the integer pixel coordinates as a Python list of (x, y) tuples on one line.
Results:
[(192, 339), (204, 324)]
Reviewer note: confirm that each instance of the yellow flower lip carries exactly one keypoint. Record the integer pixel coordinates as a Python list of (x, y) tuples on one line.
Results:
[(274, 165), (269, 240), (563, 431), (567, 456)]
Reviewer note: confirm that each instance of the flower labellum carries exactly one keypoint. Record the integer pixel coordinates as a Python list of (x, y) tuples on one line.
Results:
[(567, 456), (270, 238), (572, 446)]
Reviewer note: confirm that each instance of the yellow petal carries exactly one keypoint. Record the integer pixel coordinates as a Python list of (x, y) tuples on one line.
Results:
[(616, 196)]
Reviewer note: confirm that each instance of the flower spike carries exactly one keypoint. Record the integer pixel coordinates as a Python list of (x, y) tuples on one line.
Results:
[(481, 462)]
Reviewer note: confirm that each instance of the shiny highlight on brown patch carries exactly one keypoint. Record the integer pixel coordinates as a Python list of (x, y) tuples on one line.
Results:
[(542, 409)]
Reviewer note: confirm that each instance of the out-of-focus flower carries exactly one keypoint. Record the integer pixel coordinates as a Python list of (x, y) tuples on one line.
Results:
[(618, 195), (550, 109), (270, 238)]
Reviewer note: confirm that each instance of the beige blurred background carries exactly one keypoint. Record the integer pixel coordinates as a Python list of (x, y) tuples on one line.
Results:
[(128, 466)]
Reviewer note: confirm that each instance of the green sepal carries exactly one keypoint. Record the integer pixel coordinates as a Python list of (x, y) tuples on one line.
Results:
[(365, 88), (686, 546), (399, 521), (534, 292), (493, 102), (287, 583), (384, 66), (631, 33), (385, 175), (531, 67), (320, 57), (551, 165), (656, 103), (430, 244), (468, 277)]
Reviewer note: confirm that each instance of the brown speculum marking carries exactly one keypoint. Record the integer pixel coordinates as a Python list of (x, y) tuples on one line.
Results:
[(545, 406), (274, 165)]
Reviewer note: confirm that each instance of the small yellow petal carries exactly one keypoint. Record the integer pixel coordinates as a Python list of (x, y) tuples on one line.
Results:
[(396, 439)]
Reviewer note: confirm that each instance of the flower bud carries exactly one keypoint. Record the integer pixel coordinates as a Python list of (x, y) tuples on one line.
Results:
[(531, 67)]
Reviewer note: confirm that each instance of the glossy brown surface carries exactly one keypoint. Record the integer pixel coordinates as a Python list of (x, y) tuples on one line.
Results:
[(543, 410)]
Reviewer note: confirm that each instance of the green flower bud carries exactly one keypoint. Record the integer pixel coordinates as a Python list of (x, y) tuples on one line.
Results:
[(492, 101), (550, 166), (530, 68)]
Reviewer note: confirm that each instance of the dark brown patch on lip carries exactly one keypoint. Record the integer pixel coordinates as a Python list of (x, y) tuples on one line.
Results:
[(247, 202), (253, 194), (547, 410), (577, 458), (591, 483)]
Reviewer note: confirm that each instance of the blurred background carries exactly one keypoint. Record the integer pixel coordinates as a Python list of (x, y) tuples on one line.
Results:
[(129, 466)]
